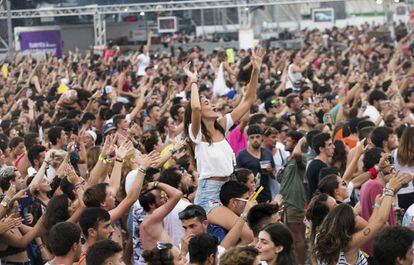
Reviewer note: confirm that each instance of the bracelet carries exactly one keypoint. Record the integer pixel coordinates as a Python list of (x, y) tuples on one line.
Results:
[(79, 184), (142, 169), (173, 150), (376, 206), (117, 159), (155, 184), (388, 192), (101, 158)]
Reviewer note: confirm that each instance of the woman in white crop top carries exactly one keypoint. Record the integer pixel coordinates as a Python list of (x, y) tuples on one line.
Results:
[(214, 156)]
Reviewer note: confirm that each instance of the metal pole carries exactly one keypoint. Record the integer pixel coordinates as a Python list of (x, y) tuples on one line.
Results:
[(202, 22), (9, 29)]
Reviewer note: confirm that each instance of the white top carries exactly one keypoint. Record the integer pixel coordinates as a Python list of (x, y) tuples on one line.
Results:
[(130, 179), (215, 159), (408, 220), (173, 224), (143, 62), (403, 169), (281, 155), (373, 114), (219, 86), (127, 118)]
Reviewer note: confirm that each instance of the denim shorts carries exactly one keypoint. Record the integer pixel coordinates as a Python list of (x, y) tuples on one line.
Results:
[(208, 194)]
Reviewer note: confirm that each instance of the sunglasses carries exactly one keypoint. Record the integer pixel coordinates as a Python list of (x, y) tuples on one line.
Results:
[(241, 199)]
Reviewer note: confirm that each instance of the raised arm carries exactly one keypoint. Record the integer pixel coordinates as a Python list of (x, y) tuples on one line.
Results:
[(352, 167), (173, 195), (120, 153), (297, 151), (380, 215), (250, 97), (132, 196), (195, 101), (37, 180), (98, 173), (233, 236)]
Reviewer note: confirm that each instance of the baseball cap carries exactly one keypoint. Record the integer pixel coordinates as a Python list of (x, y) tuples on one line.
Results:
[(231, 94), (108, 128)]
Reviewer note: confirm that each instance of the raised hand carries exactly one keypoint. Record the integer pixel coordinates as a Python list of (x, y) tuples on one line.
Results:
[(257, 58), (71, 175), (122, 151), (20, 195), (192, 75), (109, 145), (9, 223), (150, 160), (180, 144)]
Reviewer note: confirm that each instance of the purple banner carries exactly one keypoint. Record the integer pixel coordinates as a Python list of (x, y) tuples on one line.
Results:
[(44, 41)]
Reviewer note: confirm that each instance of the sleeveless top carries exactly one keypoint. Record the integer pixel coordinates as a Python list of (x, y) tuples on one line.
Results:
[(361, 260), (219, 86)]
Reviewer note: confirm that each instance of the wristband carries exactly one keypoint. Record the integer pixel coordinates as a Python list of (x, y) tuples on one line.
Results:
[(376, 206), (173, 150), (388, 192), (79, 184), (374, 172), (101, 158), (117, 159), (142, 169), (155, 184), (243, 216), (194, 82)]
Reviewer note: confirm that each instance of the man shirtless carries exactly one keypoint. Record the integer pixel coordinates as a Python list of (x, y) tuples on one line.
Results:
[(152, 230)]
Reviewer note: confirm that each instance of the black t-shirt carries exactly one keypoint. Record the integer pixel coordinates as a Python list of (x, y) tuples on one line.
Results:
[(246, 160), (312, 174)]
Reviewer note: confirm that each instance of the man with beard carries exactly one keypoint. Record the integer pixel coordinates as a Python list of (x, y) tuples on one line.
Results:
[(306, 120), (258, 159), (96, 225)]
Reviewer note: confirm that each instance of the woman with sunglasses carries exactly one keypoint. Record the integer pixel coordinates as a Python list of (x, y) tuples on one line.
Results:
[(163, 254), (214, 156)]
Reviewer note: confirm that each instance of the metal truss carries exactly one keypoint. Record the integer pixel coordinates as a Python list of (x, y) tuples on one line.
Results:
[(150, 7)]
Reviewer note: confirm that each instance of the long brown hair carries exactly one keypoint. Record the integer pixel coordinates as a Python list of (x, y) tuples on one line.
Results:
[(405, 151), (204, 131), (334, 235)]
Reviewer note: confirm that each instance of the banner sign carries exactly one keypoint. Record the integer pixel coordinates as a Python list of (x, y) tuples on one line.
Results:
[(42, 41)]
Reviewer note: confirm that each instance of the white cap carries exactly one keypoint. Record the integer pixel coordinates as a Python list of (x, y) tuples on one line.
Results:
[(92, 134)]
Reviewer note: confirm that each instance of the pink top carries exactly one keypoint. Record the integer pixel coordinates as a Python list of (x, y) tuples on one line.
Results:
[(368, 193), (237, 140)]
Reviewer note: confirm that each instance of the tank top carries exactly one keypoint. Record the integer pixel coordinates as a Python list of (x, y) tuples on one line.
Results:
[(361, 260)]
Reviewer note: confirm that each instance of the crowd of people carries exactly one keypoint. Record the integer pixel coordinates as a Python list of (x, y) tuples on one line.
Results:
[(275, 156)]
